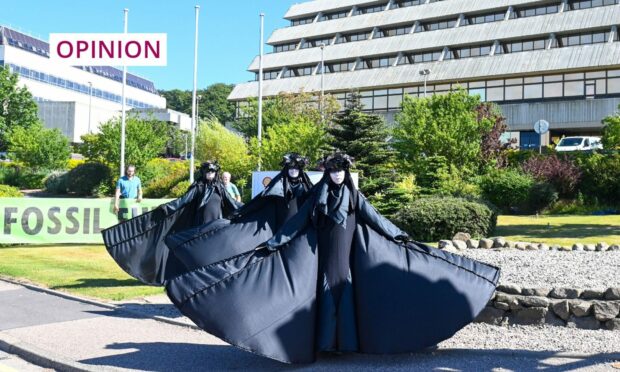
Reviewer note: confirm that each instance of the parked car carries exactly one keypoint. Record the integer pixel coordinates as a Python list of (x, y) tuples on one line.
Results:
[(579, 144)]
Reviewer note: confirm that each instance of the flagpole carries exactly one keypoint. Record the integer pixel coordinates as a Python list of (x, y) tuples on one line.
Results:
[(260, 89), (123, 114), (191, 162)]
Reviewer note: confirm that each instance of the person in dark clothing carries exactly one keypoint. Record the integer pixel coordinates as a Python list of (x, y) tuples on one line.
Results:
[(138, 245), (337, 277)]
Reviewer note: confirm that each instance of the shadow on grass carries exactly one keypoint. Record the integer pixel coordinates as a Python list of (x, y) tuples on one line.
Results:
[(563, 231)]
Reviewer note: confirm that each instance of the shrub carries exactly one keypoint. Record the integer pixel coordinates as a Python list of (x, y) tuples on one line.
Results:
[(56, 182), (601, 178), (432, 219), (561, 172), (507, 189), (72, 163), (162, 187), (29, 179), (541, 196), (178, 190), (10, 192), (9, 175), (84, 179), (159, 168)]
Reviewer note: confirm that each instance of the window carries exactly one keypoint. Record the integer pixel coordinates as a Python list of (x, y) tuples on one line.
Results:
[(483, 18), (409, 59), (437, 25), (284, 47), (298, 71), (536, 11), (333, 15), (381, 62), (302, 21), (347, 38), (388, 32), (406, 3), (313, 43), (339, 67), (370, 9), (268, 75), (585, 4), (468, 52)]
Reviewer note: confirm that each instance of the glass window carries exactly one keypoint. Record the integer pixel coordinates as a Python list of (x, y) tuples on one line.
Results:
[(495, 94), (532, 91), (514, 92), (613, 73), (381, 103), (495, 83), (577, 76), (601, 86), (395, 101), (514, 81), (549, 78), (553, 90), (366, 103), (593, 75), (613, 86), (529, 80), (478, 91)]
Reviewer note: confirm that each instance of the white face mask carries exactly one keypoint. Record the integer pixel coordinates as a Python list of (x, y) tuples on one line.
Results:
[(293, 172), (337, 177), (210, 176)]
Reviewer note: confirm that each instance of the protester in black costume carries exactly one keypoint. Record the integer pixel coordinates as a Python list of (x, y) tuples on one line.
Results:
[(367, 291), (251, 225), (138, 245)]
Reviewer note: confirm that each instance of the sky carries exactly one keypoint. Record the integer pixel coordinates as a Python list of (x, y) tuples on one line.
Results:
[(228, 31)]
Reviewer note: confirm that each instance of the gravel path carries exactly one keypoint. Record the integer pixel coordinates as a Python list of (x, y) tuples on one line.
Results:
[(549, 269)]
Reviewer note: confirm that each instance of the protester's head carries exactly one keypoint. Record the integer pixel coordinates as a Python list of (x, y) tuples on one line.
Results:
[(130, 171), (293, 164), (337, 167), (209, 170), (226, 177)]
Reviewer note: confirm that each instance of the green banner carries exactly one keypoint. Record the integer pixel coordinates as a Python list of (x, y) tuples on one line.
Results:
[(55, 221)]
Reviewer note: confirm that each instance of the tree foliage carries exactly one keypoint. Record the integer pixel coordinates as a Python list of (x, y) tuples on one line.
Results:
[(285, 108), (17, 108), (303, 137), (442, 125), (39, 147), (611, 132), (215, 142), (145, 139), (212, 102)]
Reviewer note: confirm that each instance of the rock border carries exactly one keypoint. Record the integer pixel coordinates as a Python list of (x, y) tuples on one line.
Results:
[(462, 242), (568, 307)]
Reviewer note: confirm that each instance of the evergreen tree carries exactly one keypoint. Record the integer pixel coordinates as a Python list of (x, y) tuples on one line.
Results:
[(365, 137)]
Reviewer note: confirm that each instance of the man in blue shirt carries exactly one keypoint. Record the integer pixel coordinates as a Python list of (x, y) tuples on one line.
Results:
[(128, 187)]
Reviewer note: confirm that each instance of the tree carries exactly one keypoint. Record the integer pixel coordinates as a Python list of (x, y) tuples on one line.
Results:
[(285, 108), (17, 108), (145, 140), (215, 142), (611, 132), (493, 152), (303, 137), (442, 125), (39, 147), (214, 103), (178, 100)]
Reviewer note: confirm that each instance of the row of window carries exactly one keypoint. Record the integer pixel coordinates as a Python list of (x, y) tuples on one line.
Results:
[(462, 52), (447, 23), (77, 87), (537, 88)]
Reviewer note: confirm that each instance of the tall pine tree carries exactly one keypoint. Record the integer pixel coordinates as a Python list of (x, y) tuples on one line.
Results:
[(364, 136)]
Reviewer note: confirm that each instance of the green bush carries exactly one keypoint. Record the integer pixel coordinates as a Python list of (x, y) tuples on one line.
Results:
[(432, 219), (9, 175), (56, 182), (85, 179), (29, 179), (178, 190), (10, 192), (541, 196), (577, 206), (159, 168), (162, 187), (600, 182), (508, 189)]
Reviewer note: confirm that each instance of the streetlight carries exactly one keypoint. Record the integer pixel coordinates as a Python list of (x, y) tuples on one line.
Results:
[(90, 103), (322, 78), (425, 73)]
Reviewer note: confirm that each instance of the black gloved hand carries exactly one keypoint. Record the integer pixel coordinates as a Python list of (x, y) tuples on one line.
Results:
[(404, 238)]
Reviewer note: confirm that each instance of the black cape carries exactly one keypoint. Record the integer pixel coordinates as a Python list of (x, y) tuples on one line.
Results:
[(138, 245), (253, 224), (406, 296)]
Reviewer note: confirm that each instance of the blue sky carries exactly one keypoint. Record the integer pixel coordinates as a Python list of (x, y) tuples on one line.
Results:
[(228, 39)]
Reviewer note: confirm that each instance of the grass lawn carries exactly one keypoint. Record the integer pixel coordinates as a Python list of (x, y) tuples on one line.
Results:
[(562, 230), (80, 270), (90, 271)]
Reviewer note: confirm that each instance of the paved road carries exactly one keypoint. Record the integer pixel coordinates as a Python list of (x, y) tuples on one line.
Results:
[(100, 338)]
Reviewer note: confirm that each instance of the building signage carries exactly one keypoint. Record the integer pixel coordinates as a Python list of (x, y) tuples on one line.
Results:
[(110, 49)]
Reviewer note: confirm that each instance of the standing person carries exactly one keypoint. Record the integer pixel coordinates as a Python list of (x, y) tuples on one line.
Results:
[(231, 187), (127, 187)]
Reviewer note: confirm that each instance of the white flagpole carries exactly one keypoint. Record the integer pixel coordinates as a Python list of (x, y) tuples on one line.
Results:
[(191, 162), (260, 89), (123, 118)]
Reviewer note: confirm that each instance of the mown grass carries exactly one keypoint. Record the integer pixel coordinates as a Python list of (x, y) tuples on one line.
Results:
[(80, 270), (562, 230)]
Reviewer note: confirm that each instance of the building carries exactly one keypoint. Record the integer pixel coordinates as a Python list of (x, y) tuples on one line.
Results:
[(76, 99), (555, 60)]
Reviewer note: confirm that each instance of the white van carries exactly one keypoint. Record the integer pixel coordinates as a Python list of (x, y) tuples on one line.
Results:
[(579, 144)]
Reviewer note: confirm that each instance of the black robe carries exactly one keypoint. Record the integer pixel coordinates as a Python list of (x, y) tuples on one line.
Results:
[(399, 297), (137, 245), (253, 224)]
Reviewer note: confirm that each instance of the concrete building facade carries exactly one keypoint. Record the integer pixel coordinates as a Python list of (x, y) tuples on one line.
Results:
[(77, 99), (556, 60)]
